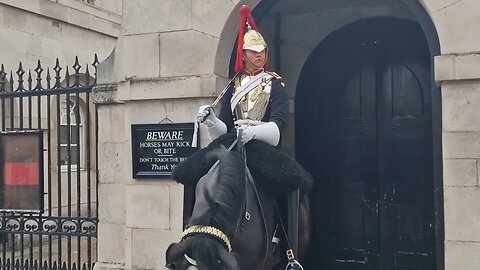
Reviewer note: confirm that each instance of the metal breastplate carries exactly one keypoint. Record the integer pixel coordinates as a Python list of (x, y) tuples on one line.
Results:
[(254, 104)]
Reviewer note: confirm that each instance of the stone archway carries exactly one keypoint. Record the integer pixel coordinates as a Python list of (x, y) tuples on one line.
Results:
[(290, 50), (368, 145)]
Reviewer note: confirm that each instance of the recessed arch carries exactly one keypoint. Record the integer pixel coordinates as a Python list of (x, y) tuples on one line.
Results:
[(359, 147), (263, 9)]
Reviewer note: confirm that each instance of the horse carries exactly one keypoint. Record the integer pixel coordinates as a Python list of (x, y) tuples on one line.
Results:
[(232, 222)]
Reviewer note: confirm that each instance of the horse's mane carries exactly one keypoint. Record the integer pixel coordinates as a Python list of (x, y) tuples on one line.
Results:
[(226, 201), (224, 207)]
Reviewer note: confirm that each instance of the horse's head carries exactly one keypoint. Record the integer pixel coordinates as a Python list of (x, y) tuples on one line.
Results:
[(205, 244), (200, 252)]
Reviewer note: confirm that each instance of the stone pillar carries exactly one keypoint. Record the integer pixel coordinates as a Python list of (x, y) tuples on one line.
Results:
[(459, 76), (162, 68), (457, 71)]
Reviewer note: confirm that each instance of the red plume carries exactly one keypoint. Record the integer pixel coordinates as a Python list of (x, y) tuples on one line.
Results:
[(245, 15)]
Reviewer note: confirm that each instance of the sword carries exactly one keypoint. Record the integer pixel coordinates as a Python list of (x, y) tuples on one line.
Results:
[(220, 96), (197, 122)]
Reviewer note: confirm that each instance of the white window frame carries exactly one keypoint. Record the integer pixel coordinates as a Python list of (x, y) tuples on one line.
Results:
[(81, 127)]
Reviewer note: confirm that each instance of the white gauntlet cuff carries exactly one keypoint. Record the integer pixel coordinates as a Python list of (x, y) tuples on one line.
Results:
[(216, 128), (267, 132)]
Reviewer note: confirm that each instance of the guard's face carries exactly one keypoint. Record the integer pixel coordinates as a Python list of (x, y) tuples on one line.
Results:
[(254, 60)]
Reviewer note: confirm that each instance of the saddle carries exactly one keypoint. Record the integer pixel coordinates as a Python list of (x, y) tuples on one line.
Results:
[(274, 171)]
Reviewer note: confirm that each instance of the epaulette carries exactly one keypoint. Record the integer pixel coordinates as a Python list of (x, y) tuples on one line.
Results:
[(275, 75)]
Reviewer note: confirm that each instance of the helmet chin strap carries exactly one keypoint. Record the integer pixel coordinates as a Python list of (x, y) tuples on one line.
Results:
[(253, 65)]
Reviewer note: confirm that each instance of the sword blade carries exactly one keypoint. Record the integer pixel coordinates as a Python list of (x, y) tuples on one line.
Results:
[(219, 97), (224, 90)]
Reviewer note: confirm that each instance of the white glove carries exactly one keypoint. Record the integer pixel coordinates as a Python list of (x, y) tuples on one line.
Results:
[(247, 133), (267, 132), (216, 127), (206, 115), (248, 122)]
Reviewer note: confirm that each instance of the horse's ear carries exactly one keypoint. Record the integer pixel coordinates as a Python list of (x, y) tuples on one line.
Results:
[(168, 253), (175, 251), (229, 259)]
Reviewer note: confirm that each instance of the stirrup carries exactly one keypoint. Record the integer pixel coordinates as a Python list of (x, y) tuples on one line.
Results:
[(294, 265)]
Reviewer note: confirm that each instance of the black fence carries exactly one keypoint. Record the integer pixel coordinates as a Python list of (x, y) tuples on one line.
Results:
[(48, 205)]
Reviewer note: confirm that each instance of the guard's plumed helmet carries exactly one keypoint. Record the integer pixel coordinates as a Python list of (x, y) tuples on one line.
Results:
[(249, 38)]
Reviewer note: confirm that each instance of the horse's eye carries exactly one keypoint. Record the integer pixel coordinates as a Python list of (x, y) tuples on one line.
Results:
[(170, 266)]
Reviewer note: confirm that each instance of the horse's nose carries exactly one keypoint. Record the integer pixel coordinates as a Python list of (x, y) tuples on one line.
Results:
[(170, 266)]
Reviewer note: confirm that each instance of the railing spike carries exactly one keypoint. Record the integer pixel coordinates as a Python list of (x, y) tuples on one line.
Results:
[(95, 60), (57, 70), (16, 265), (3, 79), (48, 78), (95, 64), (29, 80), (39, 71), (67, 78), (11, 80), (20, 72), (76, 67), (87, 77)]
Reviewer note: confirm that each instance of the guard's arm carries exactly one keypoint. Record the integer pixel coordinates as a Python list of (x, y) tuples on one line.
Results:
[(266, 132), (270, 131), (216, 127), (226, 115), (279, 105)]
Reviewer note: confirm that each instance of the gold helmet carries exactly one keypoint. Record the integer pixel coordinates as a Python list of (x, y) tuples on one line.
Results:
[(253, 40), (249, 38)]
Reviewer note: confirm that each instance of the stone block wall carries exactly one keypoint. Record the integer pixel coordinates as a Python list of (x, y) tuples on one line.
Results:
[(165, 67), (461, 153)]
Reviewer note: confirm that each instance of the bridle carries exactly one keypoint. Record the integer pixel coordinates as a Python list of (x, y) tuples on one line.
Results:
[(210, 231), (244, 215)]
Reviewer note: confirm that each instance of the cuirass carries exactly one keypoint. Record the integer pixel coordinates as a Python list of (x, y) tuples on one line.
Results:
[(254, 104)]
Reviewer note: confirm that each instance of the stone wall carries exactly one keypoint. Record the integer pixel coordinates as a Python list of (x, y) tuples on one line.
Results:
[(457, 72), (162, 68), (45, 30), (166, 67)]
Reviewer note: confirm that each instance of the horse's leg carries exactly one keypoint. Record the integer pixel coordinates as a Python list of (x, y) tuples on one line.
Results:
[(304, 225)]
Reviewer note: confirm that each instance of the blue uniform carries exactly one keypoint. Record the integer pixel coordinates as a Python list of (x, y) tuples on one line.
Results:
[(277, 108), (273, 170)]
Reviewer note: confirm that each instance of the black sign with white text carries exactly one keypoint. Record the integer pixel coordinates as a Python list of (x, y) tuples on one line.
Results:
[(158, 148)]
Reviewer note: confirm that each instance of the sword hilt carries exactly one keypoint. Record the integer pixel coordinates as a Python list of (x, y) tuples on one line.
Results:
[(207, 114)]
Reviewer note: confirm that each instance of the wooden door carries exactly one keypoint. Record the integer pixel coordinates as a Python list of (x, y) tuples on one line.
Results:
[(363, 118)]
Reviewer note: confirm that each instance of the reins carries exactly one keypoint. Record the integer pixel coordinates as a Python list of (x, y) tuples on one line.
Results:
[(249, 181), (244, 213)]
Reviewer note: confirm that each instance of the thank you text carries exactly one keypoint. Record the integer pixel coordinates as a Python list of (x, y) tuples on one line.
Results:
[(158, 148)]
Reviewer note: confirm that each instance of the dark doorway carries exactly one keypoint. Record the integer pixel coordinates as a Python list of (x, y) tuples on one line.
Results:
[(364, 130)]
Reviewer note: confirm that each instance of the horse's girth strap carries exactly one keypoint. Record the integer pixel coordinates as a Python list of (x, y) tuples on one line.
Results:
[(208, 230)]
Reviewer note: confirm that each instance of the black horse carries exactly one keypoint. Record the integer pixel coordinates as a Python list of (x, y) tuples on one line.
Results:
[(233, 221)]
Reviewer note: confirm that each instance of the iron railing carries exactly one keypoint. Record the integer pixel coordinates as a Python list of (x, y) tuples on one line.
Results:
[(62, 235)]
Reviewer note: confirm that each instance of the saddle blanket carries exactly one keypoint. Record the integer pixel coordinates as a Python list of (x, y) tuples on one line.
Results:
[(274, 171)]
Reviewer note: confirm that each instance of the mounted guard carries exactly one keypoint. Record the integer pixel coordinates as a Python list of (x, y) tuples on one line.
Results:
[(254, 107)]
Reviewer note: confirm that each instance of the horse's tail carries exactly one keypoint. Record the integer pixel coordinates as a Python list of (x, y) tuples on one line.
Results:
[(226, 199)]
